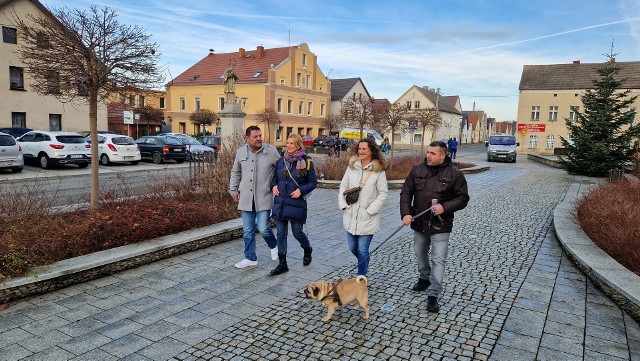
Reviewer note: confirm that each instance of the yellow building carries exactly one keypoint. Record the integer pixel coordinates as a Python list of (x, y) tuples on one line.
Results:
[(20, 105), (551, 93), (128, 100), (287, 79)]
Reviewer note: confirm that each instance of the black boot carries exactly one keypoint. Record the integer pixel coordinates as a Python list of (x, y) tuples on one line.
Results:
[(421, 285), (281, 267), (306, 260), (432, 304)]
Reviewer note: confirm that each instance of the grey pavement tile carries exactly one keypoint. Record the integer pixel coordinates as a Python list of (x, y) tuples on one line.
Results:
[(178, 304), (119, 328), (603, 315), (163, 349), (548, 354), (42, 342), (10, 320), (201, 295), (561, 329), (566, 318), (544, 289), (543, 281), (220, 321), (564, 344), (525, 322), (136, 357), (574, 308), (77, 289), (125, 345), (158, 330), (110, 302), (84, 343), (114, 314), (81, 327), (591, 355), (143, 303), (538, 305), (505, 353), (13, 352), (632, 327), (232, 296), (44, 311), (634, 349), (137, 293), (262, 299), (519, 341), (45, 325), (78, 313), (616, 349), (151, 315), (96, 355), (13, 335), (611, 332), (78, 300), (51, 353), (193, 334), (212, 306), (187, 317)]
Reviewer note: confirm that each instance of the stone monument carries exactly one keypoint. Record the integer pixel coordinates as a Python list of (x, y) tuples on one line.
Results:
[(232, 116)]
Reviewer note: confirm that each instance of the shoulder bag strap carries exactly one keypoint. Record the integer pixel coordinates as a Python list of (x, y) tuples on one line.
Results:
[(366, 179)]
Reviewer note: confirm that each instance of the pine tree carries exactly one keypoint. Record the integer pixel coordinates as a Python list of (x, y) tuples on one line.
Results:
[(602, 135)]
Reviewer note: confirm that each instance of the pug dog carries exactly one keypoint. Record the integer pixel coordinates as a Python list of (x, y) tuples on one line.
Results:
[(334, 294)]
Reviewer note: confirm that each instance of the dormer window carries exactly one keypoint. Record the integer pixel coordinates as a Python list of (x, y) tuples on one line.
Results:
[(257, 74), (194, 77)]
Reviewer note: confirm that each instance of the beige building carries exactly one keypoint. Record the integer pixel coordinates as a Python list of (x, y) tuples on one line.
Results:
[(20, 106), (551, 93), (286, 79)]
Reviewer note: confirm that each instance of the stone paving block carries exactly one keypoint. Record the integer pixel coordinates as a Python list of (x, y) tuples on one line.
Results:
[(616, 349), (13, 336), (13, 352), (519, 341), (537, 305), (151, 315), (51, 353), (548, 354), (10, 321), (505, 353), (575, 307), (44, 311), (596, 356), (560, 343), (612, 334), (111, 302), (603, 315), (158, 330), (77, 301), (43, 342), (114, 314), (84, 343), (81, 327), (566, 318), (220, 321), (163, 349), (125, 345), (142, 303), (525, 322), (79, 313), (193, 334), (565, 330), (119, 328), (632, 328), (186, 318)]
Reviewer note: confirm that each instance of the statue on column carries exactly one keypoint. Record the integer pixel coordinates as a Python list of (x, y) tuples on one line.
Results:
[(230, 78)]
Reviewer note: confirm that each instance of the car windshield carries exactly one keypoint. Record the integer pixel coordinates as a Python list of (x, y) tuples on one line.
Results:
[(211, 141), (502, 140), (123, 141), (172, 141), (70, 139), (189, 141), (6, 140)]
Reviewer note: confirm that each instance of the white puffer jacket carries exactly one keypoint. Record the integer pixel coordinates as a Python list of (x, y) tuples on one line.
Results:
[(363, 217)]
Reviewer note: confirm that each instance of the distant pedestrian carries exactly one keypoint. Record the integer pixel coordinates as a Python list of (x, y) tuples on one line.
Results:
[(449, 146), (434, 184), (293, 179), (453, 148), (250, 186), (361, 219)]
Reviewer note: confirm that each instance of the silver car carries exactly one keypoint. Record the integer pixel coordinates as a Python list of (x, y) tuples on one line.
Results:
[(10, 153), (196, 149)]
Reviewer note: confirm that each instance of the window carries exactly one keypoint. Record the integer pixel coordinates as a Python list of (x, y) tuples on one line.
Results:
[(289, 106), (298, 79), (322, 110), (282, 81), (533, 141), (141, 101), (221, 103), (409, 104), (197, 105), (321, 88), (257, 74), (535, 112), (417, 104), (53, 83), (289, 131), (309, 108), (9, 35), (16, 78), (279, 105), (551, 141), (123, 98), (132, 100), (182, 127), (42, 40), (309, 130), (279, 134), (553, 113), (320, 132), (397, 137), (19, 119), (55, 122), (183, 104), (300, 131), (161, 99), (300, 108), (304, 59), (417, 137), (84, 91), (573, 114), (308, 81)]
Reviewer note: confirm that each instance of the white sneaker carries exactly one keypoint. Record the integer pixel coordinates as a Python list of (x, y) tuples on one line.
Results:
[(274, 253), (246, 263)]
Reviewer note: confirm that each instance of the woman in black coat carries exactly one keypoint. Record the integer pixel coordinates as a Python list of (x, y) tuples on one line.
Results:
[(293, 179)]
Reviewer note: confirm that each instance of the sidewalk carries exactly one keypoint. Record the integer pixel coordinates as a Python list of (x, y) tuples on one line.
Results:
[(510, 293)]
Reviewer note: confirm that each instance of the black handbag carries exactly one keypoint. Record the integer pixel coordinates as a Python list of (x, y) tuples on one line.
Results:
[(351, 195)]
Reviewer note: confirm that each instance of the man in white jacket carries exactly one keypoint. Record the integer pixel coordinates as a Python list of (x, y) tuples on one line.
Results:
[(250, 187)]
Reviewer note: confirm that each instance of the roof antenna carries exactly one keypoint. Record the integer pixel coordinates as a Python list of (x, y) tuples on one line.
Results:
[(289, 33)]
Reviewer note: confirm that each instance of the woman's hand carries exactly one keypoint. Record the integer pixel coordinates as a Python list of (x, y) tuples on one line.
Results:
[(296, 193), (275, 190)]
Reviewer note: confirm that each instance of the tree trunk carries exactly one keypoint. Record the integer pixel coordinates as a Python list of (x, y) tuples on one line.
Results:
[(422, 142), (95, 162)]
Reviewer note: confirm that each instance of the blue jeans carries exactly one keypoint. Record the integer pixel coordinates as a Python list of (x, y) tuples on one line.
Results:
[(431, 269), (249, 222), (282, 233), (359, 246)]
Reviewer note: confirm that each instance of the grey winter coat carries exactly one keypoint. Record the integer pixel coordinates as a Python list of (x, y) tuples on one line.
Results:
[(251, 177)]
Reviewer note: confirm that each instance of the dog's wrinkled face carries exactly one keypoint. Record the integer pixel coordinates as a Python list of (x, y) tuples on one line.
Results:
[(314, 291)]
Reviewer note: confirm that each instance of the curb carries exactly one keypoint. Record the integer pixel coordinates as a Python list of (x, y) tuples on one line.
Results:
[(617, 282), (548, 160)]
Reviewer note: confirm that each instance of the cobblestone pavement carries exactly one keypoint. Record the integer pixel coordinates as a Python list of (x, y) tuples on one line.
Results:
[(510, 294)]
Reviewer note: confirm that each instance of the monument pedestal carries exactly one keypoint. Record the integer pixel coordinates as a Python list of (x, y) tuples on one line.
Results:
[(231, 119)]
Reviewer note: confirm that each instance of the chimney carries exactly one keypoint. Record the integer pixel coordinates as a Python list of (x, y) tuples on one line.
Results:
[(260, 51), (241, 53), (576, 62)]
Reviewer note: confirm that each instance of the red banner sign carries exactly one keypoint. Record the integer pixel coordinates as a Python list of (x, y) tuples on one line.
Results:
[(531, 127)]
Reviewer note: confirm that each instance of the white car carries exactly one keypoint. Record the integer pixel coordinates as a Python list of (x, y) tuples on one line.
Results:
[(53, 148), (10, 153), (116, 148)]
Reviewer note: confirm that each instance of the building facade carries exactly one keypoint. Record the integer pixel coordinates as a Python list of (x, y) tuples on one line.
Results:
[(286, 79), (549, 94), (20, 105)]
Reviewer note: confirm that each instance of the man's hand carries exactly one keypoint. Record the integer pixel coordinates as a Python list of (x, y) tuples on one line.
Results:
[(236, 197), (275, 190), (407, 220)]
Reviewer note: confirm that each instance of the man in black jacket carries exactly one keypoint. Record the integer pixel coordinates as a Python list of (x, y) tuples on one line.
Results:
[(437, 185)]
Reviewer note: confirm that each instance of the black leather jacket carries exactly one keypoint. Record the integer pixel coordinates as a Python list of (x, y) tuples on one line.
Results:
[(445, 183)]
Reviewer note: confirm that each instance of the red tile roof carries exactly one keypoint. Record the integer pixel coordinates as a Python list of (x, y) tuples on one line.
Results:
[(210, 69)]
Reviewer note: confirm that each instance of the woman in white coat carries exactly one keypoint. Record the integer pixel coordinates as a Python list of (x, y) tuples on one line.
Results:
[(362, 218)]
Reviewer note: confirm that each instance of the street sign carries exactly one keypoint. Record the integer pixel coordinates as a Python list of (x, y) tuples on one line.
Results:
[(128, 117)]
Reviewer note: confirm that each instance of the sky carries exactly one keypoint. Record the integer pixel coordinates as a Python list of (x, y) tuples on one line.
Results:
[(473, 49)]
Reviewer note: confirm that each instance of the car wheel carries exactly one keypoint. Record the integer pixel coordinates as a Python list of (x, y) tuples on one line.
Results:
[(45, 163), (156, 158), (17, 170), (83, 165), (135, 162), (104, 160)]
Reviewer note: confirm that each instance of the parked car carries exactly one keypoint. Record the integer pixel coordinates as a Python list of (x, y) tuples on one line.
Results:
[(160, 149), (86, 133), (307, 141), (10, 153), (194, 147), (318, 141), (332, 141), (15, 131), (53, 148), (212, 141), (116, 148)]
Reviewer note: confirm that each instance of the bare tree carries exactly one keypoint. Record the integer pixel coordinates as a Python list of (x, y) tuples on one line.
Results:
[(203, 117), (80, 55), (427, 119), (395, 118), (357, 111), (332, 121), (149, 113), (268, 116)]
